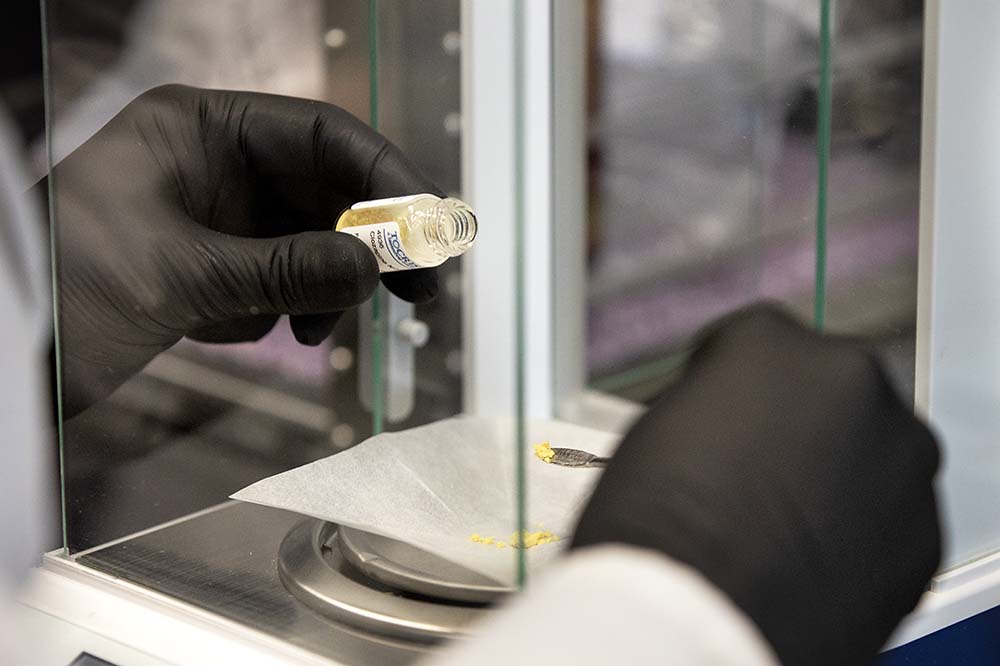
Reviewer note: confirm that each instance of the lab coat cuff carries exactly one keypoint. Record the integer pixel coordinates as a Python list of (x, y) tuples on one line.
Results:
[(615, 604)]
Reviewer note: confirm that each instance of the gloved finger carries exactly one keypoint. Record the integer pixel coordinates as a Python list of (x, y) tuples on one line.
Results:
[(245, 329), (416, 286), (313, 272), (313, 329)]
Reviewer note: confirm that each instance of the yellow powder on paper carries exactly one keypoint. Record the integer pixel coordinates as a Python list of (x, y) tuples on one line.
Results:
[(540, 537), (530, 540), (544, 452)]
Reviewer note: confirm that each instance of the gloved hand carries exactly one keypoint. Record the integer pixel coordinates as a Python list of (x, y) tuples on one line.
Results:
[(785, 469), (208, 214)]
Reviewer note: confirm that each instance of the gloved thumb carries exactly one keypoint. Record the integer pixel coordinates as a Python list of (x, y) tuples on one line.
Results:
[(306, 273)]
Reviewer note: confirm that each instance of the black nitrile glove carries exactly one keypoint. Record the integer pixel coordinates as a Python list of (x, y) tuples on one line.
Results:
[(785, 469), (208, 214)]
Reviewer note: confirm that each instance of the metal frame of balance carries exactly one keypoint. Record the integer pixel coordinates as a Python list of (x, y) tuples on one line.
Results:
[(381, 585)]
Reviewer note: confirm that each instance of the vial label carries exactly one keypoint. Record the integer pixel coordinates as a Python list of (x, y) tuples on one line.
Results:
[(392, 201), (386, 245)]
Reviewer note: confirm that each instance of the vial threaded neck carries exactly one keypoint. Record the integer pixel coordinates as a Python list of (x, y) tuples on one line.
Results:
[(455, 228)]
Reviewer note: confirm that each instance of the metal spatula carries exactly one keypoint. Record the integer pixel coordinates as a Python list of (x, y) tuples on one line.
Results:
[(576, 458)]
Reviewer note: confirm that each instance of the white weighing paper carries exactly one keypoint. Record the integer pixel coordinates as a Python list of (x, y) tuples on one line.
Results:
[(435, 486)]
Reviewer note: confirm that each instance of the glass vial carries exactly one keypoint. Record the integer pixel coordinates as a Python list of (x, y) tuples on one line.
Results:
[(416, 231)]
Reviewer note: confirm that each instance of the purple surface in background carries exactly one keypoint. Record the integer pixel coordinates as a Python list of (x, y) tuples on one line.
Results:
[(658, 316), (666, 313)]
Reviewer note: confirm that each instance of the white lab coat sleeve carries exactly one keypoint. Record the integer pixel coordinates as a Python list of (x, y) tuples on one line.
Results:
[(615, 605)]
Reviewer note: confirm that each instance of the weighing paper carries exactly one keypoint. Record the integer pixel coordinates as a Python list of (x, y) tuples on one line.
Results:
[(435, 486)]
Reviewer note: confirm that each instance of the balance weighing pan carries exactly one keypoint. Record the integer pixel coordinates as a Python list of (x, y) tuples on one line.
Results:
[(405, 567), (313, 569)]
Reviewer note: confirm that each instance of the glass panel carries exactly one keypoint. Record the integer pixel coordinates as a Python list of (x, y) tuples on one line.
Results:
[(704, 171), (201, 420), (416, 85), (149, 466), (702, 177), (416, 79), (215, 417), (520, 445), (380, 299), (875, 177)]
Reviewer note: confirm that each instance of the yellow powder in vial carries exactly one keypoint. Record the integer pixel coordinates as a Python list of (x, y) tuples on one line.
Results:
[(544, 452)]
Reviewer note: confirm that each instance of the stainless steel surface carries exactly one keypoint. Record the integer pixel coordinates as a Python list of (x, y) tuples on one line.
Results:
[(576, 458), (311, 566), (406, 567), (224, 560)]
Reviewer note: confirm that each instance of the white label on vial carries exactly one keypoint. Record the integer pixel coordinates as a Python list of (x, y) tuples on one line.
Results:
[(385, 243), (393, 201)]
